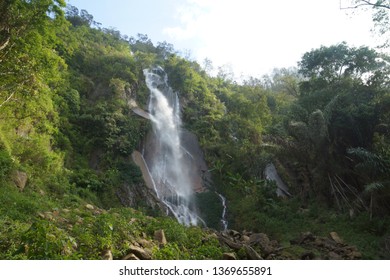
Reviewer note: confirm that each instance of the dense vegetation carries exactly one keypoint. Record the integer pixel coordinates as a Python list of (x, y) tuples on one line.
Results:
[(67, 134)]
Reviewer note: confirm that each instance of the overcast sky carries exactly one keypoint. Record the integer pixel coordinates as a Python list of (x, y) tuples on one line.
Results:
[(251, 36)]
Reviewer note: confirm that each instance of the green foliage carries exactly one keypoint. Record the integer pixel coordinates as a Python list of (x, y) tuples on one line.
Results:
[(211, 208), (338, 61), (65, 121), (45, 241), (6, 164)]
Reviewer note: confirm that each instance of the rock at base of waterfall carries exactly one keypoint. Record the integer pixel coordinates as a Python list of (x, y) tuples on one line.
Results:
[(141, 253), (261, 240), (159, 236), (130, 257), (251, 253), (336, 237), (229, 256)]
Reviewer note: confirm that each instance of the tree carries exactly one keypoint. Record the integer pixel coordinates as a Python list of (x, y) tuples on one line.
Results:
[(339, 107), (283, 80), (339, 61), (27, 38), (380, 10)]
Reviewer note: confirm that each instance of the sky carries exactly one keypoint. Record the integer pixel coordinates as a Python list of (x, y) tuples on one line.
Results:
[(248, 37)]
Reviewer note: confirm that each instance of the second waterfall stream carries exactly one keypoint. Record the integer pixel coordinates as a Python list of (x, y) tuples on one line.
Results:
[(168, 168)]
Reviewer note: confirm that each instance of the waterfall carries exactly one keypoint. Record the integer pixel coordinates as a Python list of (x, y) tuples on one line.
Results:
[(168, 168), (224, 222)]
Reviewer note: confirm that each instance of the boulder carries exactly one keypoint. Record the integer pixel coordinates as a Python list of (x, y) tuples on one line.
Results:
[(141, 253), (89, 206), (305, 237), (20, 179), (130, 256), (144, 243), (245, 239), (235, 234), (262, 241), (251, 253), (229, 242), (308, 256), (159, 236), (334, 256), (229, 256), (335, 237), (107, 255), (354, 255)]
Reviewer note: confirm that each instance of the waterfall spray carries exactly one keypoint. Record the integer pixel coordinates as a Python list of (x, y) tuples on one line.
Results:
[(168, 168)]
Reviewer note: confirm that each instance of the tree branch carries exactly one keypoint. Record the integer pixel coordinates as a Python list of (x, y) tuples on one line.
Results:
[(365, 3), (8, 99)]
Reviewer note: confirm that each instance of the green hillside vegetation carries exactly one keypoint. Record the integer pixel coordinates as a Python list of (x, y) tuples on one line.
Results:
[(67, 134)]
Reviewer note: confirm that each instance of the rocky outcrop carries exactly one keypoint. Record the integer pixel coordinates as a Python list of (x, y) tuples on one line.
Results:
[(140, 162), (258, 246), (141, 112), (199, 173), (271, 174), (332, 247), (132, 195), (139, 196), (251, 246)]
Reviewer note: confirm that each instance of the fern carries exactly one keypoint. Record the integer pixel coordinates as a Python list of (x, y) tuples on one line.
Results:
[(370, 162)]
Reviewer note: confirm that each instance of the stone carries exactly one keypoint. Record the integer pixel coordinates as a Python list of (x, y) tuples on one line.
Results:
[(258, 238), (245, 239), (230, 243), (261, 240), (234, 233), (229, 256), (20, 179), (89, 206), (159, 236), (355, 255), (130, 256), (308, 256), (107, 255), (251, 253), (335, 237), (40, 214), (140, 252), (305, 237), (145, 243), (334, 256)]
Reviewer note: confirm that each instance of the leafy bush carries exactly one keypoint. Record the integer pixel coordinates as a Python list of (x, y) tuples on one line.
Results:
[(6, 164), (44, 240)]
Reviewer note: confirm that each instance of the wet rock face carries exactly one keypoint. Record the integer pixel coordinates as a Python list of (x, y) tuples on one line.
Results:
[(199, 171)]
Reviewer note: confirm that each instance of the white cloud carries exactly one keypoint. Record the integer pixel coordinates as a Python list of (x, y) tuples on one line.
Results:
[(255, 36)]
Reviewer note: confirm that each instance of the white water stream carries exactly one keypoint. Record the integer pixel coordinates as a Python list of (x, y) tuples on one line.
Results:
[(224, 222), (168, 169)]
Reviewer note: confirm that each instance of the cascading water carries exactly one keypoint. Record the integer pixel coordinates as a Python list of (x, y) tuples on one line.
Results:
[(224, 222), (168, 168)]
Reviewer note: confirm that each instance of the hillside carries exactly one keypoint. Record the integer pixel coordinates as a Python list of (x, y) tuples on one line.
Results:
[(69, 188)]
